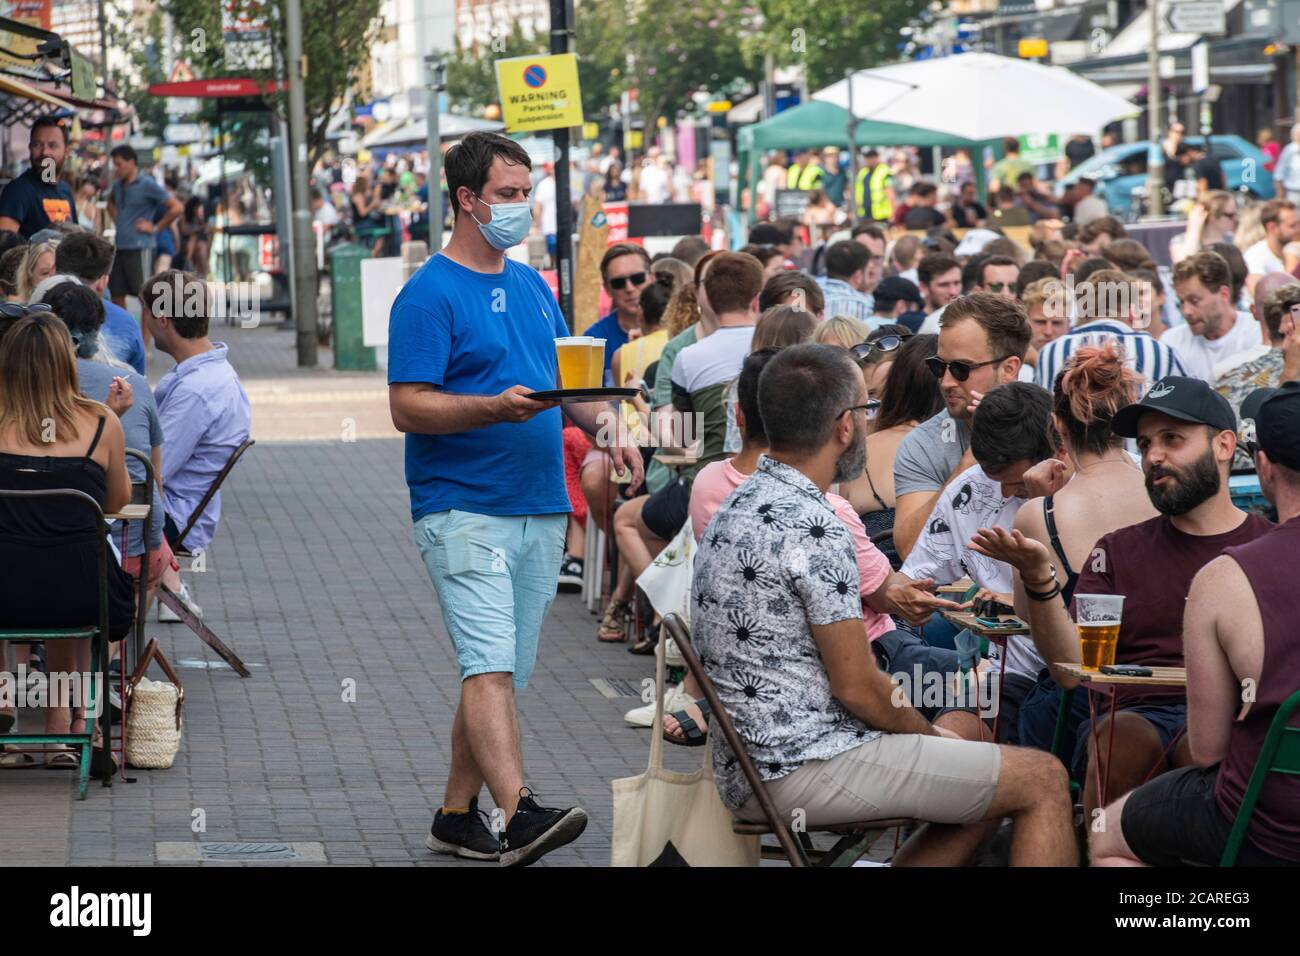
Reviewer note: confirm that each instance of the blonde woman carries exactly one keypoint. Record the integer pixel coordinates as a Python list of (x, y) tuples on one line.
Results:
[(843, 331), (1212, 219), (48, 547), (37, 265)]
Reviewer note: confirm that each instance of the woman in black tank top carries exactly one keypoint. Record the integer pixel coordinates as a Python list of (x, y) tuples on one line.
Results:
[(49, 547)]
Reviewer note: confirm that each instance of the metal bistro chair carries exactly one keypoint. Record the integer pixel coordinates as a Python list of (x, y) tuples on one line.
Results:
[(96, 633), (168, 596), (855, 838), (1280, 754)]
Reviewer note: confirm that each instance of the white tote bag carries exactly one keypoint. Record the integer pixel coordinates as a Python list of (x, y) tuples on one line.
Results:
[(667, 581), (663, 806)]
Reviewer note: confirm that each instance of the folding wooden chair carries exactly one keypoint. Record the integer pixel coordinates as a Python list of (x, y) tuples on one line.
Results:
[(96, 633), (855, 838), (169, 597), (1280, 754)]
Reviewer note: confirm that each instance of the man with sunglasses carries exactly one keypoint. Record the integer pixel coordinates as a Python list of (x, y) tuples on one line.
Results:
[(625, 271), (982, 343), (998, 275)]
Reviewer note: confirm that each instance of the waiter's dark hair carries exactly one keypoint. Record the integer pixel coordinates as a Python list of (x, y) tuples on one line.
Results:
[(469, 162), (50, 122)]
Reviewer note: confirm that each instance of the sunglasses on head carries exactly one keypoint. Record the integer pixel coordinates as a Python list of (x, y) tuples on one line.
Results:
[(960, 370), (886, 343), (16, 310), (636, 278)]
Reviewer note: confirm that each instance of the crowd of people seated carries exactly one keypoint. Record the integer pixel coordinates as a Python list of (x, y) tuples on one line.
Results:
[(74, 398), (879, 418)]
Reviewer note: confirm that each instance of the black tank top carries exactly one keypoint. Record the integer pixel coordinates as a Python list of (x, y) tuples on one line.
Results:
[(49, 547), (1071, 576)]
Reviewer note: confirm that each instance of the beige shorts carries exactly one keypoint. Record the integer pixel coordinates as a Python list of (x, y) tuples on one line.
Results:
[(936, 779)]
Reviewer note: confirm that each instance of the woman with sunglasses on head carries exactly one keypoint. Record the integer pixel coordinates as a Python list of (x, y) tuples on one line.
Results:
[(49, 547), (877, 354), (910, 396)]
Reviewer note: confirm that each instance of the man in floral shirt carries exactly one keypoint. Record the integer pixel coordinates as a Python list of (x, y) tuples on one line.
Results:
[(1277, 303), (777, 620)]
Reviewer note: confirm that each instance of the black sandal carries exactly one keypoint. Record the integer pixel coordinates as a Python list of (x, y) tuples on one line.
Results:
[(696, 736), (646, 646)]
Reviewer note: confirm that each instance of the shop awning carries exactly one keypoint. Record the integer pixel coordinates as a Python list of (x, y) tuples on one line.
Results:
[(21, 101)]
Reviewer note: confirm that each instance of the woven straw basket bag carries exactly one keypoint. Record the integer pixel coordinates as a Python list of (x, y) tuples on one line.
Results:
[(153, 730)]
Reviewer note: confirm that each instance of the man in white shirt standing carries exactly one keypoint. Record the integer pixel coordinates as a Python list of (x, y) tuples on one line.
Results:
[(1281, 225), (1214, 331), (654, 178)]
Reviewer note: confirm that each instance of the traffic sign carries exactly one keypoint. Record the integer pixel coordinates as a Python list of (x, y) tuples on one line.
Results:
[(539, 92), (1034, 48), (1200, 68), (1205, 17), (178, 133)]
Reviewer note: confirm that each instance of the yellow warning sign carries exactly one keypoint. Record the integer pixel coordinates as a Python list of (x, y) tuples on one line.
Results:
[(539, 92)]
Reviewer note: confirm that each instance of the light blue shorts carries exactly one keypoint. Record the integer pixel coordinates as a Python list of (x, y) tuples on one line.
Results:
[(496, 578)]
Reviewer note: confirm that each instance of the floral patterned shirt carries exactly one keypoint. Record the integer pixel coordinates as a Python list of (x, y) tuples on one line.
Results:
[(774, 562), (1260, 371)]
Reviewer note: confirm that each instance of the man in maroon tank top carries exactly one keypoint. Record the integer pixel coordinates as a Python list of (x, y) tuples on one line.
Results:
[(1243, 661)]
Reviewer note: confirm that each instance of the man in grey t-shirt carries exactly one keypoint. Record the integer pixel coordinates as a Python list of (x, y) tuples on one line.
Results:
[(982, 343), (140, 208)]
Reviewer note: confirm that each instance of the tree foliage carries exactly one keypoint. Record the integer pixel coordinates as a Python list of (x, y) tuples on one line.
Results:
[(337, 37)]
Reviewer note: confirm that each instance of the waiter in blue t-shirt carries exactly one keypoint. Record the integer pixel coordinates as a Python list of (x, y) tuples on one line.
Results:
[(39, 197), (470, 336)]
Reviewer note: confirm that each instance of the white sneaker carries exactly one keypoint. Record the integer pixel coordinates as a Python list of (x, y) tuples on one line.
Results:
[(644, 716), (673, 655), (167, 616)]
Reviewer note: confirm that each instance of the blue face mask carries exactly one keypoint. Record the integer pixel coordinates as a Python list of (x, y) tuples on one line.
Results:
[(509, 226)]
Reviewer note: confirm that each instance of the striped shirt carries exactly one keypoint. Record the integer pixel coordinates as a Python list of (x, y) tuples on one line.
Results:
[(843, 299), (1151, 359)]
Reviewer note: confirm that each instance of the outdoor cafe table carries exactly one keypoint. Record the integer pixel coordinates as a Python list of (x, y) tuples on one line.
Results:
[(1109, 685), (968, 620)]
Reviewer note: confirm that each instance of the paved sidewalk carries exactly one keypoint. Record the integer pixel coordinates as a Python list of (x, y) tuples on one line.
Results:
[(314, 580)]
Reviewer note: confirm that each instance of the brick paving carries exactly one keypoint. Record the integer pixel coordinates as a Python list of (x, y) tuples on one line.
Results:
[(314, 579)]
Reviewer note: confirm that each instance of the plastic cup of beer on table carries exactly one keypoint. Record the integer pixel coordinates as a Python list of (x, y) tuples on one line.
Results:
[(1097, 619), (597, 359), (573, 353)]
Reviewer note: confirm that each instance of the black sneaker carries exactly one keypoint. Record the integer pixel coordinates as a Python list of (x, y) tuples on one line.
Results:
[(463, 834), (535, 830), (570, 574)]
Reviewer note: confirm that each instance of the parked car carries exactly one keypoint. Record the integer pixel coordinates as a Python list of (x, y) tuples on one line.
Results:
[(1123, 168)]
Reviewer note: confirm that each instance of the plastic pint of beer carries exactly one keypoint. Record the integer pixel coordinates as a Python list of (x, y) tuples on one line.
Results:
[(596, 374), (574, 356), (1097, 618)]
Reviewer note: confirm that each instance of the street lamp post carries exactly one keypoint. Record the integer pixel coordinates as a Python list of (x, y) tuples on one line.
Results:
[(304, 246), (1156, 173), (436, 73), (561, 36)]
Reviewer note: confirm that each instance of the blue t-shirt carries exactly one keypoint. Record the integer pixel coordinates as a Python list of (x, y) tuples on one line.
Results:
[(36, 204), (475, 333), (613, 334), (123, 334)]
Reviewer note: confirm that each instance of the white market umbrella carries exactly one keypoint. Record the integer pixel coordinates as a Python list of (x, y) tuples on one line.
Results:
[(979, 96)]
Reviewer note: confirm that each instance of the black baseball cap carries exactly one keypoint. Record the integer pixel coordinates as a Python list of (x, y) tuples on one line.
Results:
[(1275, 413), (896, 289), (1187, 399)]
